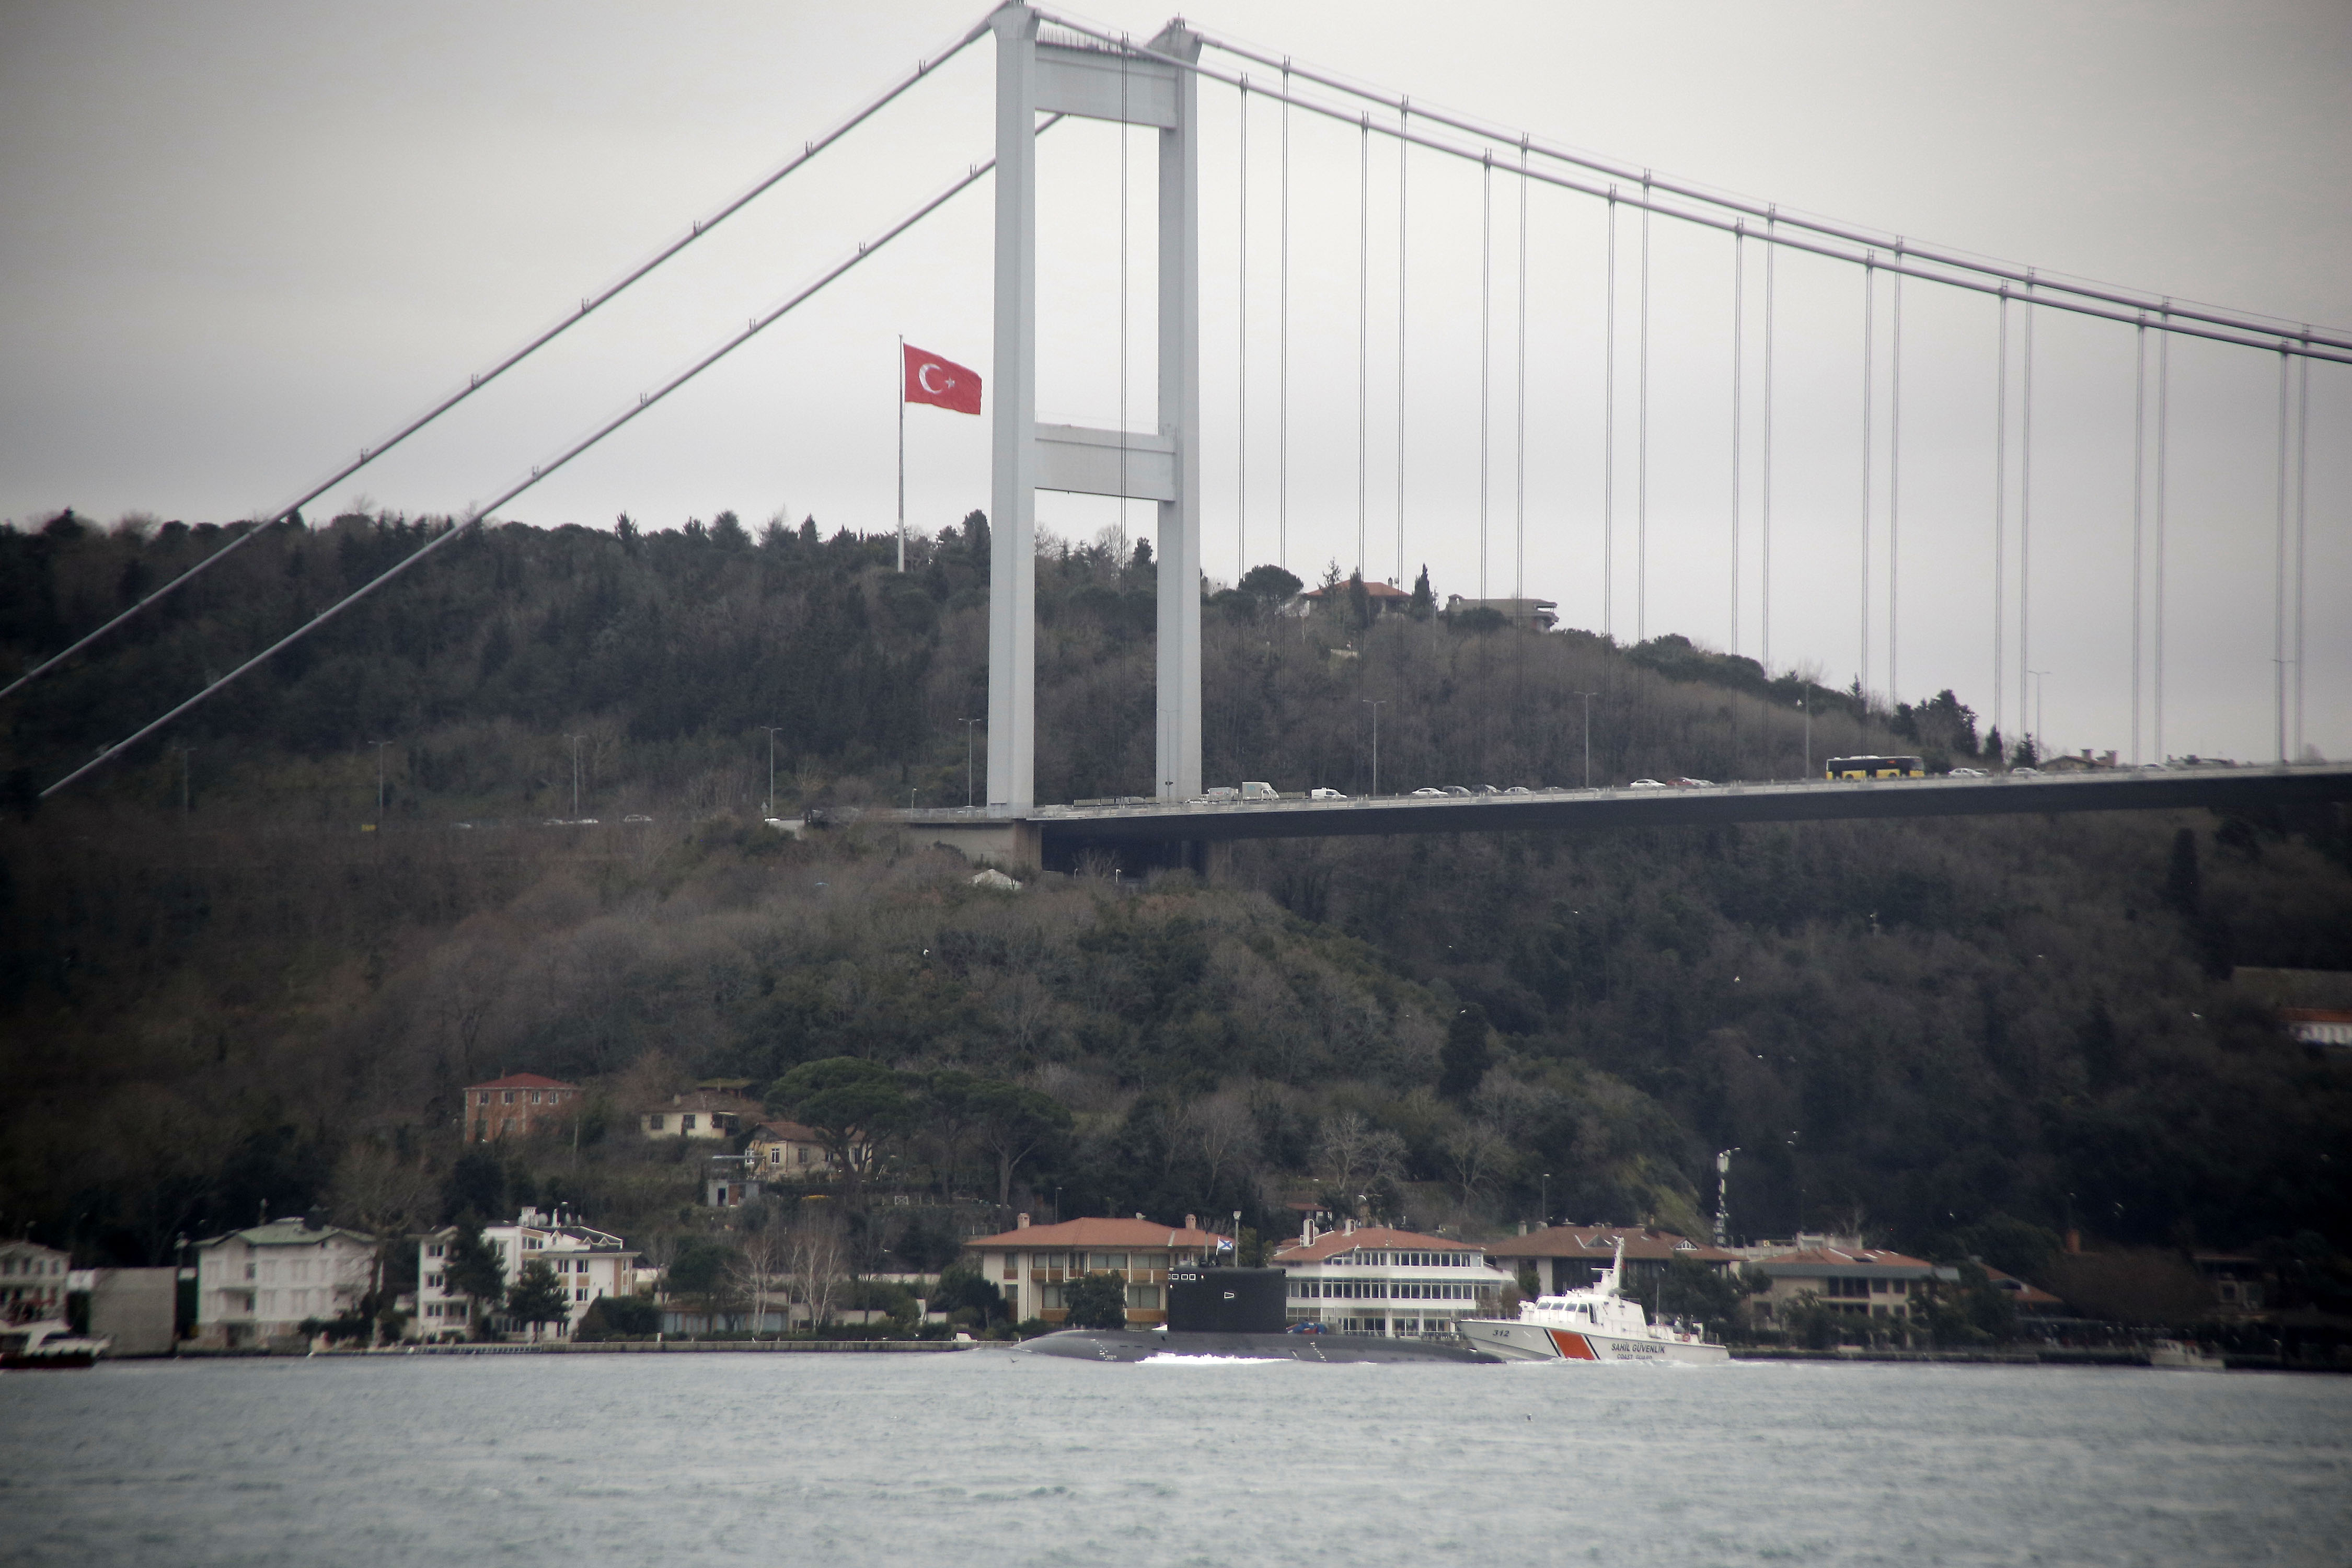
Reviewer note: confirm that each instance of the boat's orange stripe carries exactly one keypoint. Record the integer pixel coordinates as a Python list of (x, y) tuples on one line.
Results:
[(1571, 1345)]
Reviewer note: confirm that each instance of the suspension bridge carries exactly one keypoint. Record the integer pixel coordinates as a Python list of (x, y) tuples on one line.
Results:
[(1050, 68)]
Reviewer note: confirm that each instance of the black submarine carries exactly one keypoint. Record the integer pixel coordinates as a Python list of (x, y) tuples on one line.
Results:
[(1236, 1313)]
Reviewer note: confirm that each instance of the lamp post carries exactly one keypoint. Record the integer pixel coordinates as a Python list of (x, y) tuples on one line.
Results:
[(772, 730), (967, 761), (1546, 1199), (575, 773), (1376, 706), (1587, 697), (379, 746)]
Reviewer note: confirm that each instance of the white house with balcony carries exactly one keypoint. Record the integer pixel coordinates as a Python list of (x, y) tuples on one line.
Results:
[(589, 1264), (259, 1285), (1398, 1283)]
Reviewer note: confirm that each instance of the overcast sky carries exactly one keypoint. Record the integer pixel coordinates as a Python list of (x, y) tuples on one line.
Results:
[(240, 241)]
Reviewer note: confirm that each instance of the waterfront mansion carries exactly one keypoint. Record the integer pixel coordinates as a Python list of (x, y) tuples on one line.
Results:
[(1375, 1280), (1032, 1263), (262, 1284), (587, 1263)]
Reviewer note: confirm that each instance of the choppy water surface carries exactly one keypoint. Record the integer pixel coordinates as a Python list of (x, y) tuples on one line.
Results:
[(991, 1456)]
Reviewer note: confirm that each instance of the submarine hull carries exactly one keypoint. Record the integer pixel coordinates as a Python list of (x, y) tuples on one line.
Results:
[(1131, 1345)]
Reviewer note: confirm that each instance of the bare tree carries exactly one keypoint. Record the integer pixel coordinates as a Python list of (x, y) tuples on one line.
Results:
[(765, 1270), (812, 1264), (1473, 1153), (1345, 1136), (1224, 1132)]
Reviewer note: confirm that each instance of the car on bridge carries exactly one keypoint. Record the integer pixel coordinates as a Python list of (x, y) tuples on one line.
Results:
[(1427, 790), (1645, 783), (1318, 792)]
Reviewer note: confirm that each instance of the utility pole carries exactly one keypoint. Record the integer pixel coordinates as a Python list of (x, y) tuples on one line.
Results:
[(1587, 697), (379, 746), (772, 730), (1547, 1200), (1375, 707), (967, 761), (575, 773)]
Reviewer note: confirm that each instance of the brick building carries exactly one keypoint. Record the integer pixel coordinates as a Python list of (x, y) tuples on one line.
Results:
[(520, 1104)]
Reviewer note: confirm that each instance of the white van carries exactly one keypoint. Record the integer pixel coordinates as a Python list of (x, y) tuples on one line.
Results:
[(1254, 790)]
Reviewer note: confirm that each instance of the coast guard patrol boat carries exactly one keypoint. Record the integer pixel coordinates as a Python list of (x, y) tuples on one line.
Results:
[(1595, 1324)]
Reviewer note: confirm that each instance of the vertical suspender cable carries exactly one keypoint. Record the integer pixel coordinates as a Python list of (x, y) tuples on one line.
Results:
[(1404, 151), (2278, 560), (1363, 324), (1486, 344), (2140, 489), (1764, 564), (2000, 514), (1894, 488), (1738, 334), (1120, 564), (1608, 439), (2302, 477), (1241, 359), (1642, 445), (1869, 318), (1282, 505), (1520, 442), (2163, 471), (2026, 525)]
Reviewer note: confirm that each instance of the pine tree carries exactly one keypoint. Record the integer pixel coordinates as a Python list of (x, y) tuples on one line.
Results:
[(538, 1296), (1424, 603), (1464, 1057)]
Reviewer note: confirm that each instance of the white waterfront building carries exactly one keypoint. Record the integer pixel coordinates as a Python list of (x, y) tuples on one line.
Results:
[(258, 1285), (1376, 1280), (587, 1263)]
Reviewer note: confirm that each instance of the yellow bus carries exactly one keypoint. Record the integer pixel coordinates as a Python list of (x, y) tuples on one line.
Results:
[(1875, 768)]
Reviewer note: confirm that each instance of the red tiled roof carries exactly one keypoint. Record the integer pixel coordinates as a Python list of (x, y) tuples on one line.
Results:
[(1838, 1258), (1077, 1233), (1374, 1236), (1597, 1243), (2025, 1295), (1372, 590), (785, 1132), (524, 1080)]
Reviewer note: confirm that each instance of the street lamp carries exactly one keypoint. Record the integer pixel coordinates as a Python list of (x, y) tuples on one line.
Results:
[(967, 761), (575, 741), (1376, 706), (772, 730), (1587, 697), (379, 746), (1546, 1199)]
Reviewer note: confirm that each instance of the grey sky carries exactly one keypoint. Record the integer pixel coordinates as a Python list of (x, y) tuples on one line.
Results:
[(240, 241)]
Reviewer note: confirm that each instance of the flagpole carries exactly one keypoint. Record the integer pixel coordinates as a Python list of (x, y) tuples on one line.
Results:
[(902, 453)]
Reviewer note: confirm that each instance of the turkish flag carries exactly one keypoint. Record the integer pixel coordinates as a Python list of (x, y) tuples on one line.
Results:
[(941, 383)]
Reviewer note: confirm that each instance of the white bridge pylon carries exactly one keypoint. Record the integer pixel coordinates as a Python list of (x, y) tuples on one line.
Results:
[(1163, 466)]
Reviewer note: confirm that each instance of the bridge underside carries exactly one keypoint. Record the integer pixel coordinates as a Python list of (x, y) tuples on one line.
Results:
[(1149, 836)]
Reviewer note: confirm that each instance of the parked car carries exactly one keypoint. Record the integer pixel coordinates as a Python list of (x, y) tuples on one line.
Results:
[(1645, 783), (1320, 793)]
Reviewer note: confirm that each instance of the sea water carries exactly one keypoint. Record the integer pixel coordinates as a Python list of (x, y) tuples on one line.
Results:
[(992, 1456)]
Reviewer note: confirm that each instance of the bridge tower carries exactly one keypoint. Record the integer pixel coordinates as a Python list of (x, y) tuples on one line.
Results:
[(1033, 77)]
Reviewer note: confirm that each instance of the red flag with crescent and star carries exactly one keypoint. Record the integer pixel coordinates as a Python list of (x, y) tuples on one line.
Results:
[(941, 383)]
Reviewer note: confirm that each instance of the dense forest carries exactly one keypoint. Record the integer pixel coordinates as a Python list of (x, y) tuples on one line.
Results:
[(226, 978)]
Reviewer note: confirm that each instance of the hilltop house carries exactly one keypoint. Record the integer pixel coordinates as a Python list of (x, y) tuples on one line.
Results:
[(587, 1263), (781, 1150), (1376, 1280), (701, 1114), (1033, 1263), (1570, 1257), (521, 1103), (258, 1285)]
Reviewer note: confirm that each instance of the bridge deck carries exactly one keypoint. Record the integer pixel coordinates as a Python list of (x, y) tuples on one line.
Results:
[(1799, 801)]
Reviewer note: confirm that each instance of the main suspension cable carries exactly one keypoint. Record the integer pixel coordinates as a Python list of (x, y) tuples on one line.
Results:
[(1764, 629), (548, 469), (589, 305), (1363, 328), (1282, 505), (2025, 527), (2241, 322), (2247, 333), (2000, 517), (2302, 477), (2278, 560)]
